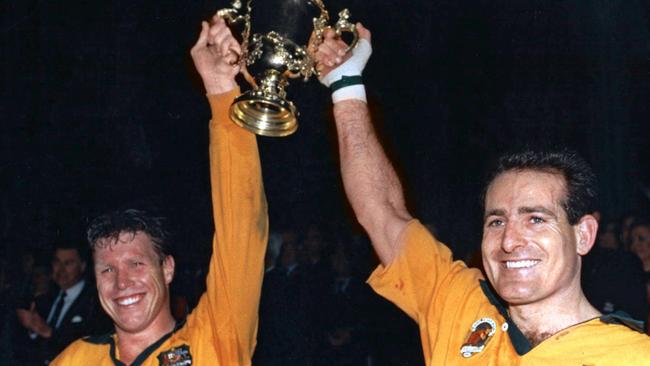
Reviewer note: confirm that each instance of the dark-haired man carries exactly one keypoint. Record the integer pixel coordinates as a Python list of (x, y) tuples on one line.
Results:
[(71, 311), (134, 270), (537, 226)]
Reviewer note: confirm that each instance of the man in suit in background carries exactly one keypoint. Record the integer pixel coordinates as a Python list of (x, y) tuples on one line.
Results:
[(68, 312)]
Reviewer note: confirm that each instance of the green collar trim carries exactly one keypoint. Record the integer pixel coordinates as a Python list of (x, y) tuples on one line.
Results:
[(521, 344), (623, 318), (99, 339), (109, 340)]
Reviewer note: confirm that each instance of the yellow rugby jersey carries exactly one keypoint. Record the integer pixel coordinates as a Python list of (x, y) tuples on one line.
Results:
[(222, 328), (461, 322)]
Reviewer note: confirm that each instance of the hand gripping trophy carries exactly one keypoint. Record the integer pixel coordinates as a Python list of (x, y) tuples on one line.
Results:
[(277, 51)]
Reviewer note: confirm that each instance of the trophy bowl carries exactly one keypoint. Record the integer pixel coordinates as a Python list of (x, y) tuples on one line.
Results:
[(275, 36)]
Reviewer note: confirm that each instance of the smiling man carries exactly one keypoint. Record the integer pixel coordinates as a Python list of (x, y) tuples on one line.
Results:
[(537, 227), (134, 269)]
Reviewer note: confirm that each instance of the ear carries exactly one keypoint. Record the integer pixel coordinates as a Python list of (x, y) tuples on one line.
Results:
[(168, 266), (585, 230)]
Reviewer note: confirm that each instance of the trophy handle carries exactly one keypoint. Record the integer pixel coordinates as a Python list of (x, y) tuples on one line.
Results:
[(232, 17), (343, 25)]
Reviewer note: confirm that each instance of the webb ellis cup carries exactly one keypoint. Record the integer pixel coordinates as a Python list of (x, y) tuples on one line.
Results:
[(275, 36)]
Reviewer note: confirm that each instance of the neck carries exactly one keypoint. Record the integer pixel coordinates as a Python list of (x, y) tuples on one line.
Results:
[(131, 344), (542, 319)]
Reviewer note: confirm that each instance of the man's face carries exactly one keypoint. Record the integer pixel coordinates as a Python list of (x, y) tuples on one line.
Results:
[(530, 251), (132, 283), (67, 268)]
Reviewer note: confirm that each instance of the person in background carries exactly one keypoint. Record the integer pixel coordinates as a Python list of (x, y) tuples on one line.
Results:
[(613, 278), (57, 318), (640, 245)]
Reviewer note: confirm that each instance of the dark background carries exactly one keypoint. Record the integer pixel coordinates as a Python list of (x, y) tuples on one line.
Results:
[(101, 108)]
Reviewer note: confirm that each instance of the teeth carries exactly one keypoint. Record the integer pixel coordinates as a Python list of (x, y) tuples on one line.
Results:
[(521, 264), (128, 300)]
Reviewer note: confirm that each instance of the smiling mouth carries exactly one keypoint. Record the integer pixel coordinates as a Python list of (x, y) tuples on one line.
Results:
[(528, 263), (129, 300)]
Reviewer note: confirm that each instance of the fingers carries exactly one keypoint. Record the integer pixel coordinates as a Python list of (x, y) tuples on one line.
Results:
[(363, 32), (329, 34), (330, 53), (221, 37), (332, 50)]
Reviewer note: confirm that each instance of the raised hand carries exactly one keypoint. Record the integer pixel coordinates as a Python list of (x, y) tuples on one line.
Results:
[(216, 56), (331, 54)]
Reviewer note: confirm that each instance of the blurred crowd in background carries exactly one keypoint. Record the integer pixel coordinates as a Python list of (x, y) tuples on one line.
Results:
[(316, 308)]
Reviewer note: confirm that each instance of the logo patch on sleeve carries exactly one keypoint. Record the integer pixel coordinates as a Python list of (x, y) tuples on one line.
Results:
[(176, 356), (482, 330)]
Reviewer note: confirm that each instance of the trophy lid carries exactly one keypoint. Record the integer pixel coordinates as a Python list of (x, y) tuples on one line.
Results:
[(292, 19)]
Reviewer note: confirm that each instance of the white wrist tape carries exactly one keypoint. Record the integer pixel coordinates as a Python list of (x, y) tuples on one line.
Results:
[(353, 66), (357, 91)]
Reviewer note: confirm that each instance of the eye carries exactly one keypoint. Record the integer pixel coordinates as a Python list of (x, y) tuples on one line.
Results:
[(537, 220), (137, 264), (495, 223), (107, 270)]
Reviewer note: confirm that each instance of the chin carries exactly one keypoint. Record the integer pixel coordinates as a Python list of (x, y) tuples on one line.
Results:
[(516, 296), (130, 327)]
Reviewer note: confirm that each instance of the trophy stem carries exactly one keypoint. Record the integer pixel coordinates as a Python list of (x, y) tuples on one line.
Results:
[(264, 110)]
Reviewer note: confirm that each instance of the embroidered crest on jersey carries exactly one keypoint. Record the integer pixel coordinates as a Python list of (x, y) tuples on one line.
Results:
[(482, 330), (176, 356)]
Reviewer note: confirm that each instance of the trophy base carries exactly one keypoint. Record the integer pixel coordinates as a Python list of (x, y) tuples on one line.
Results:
[(264, 115)]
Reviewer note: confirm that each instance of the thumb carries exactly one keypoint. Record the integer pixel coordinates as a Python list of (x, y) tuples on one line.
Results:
[(363, 32), (203, 36)]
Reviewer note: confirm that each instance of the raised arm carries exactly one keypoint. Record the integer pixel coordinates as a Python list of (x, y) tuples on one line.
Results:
[(370, 181), (230, 305)]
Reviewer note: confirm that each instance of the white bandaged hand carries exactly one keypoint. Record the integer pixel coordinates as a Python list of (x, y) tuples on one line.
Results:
[(345, 80)]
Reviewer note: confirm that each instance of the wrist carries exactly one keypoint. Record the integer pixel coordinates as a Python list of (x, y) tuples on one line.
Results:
[(219, 85), (348, 87)]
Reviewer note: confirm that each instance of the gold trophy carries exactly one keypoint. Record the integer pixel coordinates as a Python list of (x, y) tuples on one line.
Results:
[(277, 51)]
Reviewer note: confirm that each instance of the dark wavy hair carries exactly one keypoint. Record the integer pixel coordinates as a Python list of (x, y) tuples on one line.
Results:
[(112, 224), (579, 178)]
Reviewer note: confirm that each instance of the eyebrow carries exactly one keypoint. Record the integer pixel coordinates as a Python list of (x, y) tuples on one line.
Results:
[(537, 209), (521, 210), (494, 212)]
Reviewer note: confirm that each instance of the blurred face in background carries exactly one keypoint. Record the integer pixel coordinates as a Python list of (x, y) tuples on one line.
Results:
[(608, 238), (640, 244), (41, 280), (67, 267), (626, 225)]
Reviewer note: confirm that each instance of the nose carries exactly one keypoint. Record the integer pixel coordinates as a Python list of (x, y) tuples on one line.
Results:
[(512, 238), (123, 280)]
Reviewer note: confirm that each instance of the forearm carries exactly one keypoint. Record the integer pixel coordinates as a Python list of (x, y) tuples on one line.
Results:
[(370, 181), (241, 225)]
